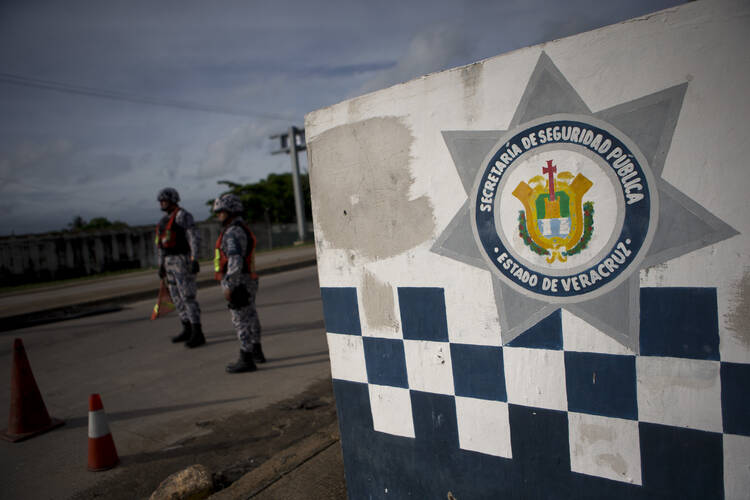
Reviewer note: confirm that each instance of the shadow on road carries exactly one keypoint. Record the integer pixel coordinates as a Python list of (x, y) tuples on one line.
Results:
[(267, 332), (285, 303), (146, 412), (10, 324), (313, 325), (61, 326), (181, 450), (306, 355), (266, 367)]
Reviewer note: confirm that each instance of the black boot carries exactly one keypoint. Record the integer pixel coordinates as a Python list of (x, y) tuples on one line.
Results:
[(258, 356), (197, 338), (185, 335), (244, 364)]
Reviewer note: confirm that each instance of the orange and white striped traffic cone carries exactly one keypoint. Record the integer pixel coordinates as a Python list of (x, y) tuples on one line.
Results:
[(102, 452)]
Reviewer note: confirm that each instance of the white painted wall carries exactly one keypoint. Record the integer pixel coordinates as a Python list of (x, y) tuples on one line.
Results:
[(703, 43)]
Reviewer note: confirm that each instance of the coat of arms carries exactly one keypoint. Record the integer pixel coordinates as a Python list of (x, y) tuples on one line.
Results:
[(555, 222)]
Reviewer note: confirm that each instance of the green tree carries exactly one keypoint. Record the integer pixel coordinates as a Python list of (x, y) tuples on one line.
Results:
[(95, 224), (77, 223), (271, 199)]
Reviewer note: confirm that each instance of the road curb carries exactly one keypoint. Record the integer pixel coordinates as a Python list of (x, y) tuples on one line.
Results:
[(112, 304), (281, 465)]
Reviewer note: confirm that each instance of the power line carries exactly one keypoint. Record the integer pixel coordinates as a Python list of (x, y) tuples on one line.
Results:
[(24, 81)]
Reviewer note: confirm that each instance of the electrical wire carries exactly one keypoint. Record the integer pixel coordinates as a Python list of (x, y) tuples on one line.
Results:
[(25, 81)]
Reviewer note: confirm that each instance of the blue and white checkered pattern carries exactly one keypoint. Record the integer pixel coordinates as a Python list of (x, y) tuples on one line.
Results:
[(617, 403)]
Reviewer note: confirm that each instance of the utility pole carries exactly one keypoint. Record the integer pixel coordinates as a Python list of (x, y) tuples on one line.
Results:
[(291, 143)]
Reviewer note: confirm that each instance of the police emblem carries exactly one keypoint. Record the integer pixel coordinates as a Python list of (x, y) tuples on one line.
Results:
[(564, 208), (555, 213)]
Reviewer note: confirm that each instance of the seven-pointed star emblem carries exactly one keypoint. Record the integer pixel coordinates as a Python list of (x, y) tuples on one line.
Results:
[(620, 151)]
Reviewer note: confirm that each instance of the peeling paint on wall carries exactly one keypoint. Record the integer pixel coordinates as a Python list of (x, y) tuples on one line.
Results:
[(379, 305), (696, 377), (658, 271), (614, 462), (593, 433), (363, 176), (739, 318), (471, 76)]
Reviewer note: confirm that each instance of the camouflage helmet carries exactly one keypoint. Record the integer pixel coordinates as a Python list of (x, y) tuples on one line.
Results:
[(229, 203), (168, 194)]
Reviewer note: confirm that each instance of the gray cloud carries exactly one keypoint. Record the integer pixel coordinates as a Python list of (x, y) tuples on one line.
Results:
[(62, 162), (227, 154), (439, 47), (64, 154)]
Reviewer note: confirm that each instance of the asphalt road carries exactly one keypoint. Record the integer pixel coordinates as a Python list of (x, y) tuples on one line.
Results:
[(155, 393)]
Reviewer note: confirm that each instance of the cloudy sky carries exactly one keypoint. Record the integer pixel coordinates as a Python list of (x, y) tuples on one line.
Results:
[(102, 103)]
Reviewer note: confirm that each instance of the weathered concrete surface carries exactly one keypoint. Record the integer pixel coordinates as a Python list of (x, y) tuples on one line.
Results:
[(236, 450), (364, 170), (320, 477), (669, 327), (738, 316), (379, 306), (312, 468)]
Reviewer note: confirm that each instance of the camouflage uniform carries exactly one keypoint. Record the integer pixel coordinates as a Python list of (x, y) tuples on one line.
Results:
[(245, 319), (180, 279)]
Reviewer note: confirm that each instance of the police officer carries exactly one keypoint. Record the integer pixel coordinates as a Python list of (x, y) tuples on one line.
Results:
[(234, 264), (178, 242)]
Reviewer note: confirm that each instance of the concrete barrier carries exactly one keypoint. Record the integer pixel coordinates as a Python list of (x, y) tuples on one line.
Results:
[(535, 270), (56, 302), (36, 258)]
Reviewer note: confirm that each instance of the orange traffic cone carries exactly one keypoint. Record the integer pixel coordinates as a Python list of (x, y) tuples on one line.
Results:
[(102, 452), (28, 414)]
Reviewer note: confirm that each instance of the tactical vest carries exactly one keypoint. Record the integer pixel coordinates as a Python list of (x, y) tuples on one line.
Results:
[(221, 260), (171, 237)]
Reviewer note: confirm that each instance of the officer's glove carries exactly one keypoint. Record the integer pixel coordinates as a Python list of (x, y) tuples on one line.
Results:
[(195, 267), (162, 272)]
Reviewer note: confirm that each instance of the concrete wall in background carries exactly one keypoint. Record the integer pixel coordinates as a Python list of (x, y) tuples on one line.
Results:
[(36, 258), (535, 269)]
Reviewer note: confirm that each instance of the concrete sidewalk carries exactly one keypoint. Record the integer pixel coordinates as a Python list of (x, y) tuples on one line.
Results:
[(312, 468), (83, 297)]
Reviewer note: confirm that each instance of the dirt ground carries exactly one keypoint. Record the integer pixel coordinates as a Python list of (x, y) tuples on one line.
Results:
[(234, 446)]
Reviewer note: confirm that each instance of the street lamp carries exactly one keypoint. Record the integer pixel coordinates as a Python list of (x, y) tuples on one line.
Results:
[(291, 143)]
